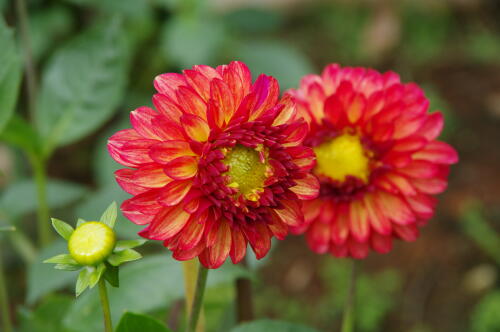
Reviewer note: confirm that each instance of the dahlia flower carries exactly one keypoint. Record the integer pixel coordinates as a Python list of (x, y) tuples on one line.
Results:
[(378, 161), (219, 164)]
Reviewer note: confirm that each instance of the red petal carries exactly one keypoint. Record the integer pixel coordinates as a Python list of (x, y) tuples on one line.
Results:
[(430, 186), (182, 168), (220, 250), (291, 213), (167, 107), (420, 169), (167, 84), (195, 127), (381, 243), (185, 255), (136, 152), (193, 232), (266, 89), (151, 176), (432, 126), (239, 79), (167, 223), (340, 225), (165, 152), (141, 121), (277, 227), (306, 188), (358, 250), (358, 221), (191, 102), (146, 203), (238, 247), (395, 208), (303, 157), (222, 98), (408, 233), (318, 237), (199, 82), (174, 192), (437, 152), (124, 177), (288, 113), (377, 219), (261, 242)]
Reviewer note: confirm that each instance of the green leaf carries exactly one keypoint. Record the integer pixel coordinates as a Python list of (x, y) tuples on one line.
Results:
[(48, 27), (182, 35), (274, 58), (10, 73), (43, 278), (61, 259), (131, 322), (485, 317), (123, 256), (271, 325), (59, 194), (80, 221), (151, 283), (68, 267), (19, 133), (109, 216), (129, 244), (83, 281), (112, 275), (47, 317), (62, 228), (96, 275), (82, 85)]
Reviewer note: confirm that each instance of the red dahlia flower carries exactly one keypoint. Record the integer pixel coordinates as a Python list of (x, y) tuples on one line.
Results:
[(219, 164), (378, 160)]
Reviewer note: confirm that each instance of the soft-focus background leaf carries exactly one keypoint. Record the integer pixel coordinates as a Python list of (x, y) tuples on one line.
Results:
[(59, 194), (270, 325), (10, 73), (47, 316), (83, 84), (131, 322), (148, 284), (43, 278)]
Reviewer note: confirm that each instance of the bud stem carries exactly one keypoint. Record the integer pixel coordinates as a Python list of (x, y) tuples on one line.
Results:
[(190, 269), (348, 317), (198, 298), (103, 293)]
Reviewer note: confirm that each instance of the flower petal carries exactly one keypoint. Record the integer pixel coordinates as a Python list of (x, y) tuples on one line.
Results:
[(306, 188), (182, 168), (166, 224), (174, 192), (291, 213), (195, 127)]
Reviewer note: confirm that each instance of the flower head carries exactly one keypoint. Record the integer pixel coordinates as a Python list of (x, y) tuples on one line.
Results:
[(378, 160), (219, 164), (93, 250)]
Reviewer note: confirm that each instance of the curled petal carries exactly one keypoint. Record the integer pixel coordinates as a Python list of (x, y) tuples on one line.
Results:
[(306, 188)]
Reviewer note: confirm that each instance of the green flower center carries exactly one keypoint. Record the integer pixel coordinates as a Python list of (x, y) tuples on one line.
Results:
[(247, 171), (343, 156), (91, 243)]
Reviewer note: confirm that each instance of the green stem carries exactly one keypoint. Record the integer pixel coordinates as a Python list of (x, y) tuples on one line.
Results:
[(348, 317), (22, 244), (198, 298), (44, 231), (103, 293), (4, 300)]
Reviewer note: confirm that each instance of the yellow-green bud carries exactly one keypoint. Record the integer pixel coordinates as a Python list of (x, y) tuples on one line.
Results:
[(91, 243)]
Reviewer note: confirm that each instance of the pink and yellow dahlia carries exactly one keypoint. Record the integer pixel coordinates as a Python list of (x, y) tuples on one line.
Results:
[(378, 161), (219, 164)]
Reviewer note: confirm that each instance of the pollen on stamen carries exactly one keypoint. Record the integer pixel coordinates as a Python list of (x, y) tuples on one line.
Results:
[(341, 157), (247, 171)]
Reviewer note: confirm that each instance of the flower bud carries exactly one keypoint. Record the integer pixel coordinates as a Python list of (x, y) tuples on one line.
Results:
[(91, 243)]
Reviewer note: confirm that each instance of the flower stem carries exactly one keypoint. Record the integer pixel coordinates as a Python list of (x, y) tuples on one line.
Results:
[(198, 298), (348, 317), (190, 269), (244, 299), (4, 300), (22, 14), (103, 293), (44, 233)]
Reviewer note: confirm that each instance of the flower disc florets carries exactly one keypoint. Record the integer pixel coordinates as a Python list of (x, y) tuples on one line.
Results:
[(91, 243), (378, 160), (218, 165)]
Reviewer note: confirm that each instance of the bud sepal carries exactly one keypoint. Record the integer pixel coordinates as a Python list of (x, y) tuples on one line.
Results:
[(93, 250)]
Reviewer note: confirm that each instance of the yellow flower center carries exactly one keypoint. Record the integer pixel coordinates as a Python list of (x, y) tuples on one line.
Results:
[(247, 172), (91, 243), (342, 156)]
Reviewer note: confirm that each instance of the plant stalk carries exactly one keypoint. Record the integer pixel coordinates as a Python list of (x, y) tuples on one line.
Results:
[(190, 269), (348, 316), (244, 298), (103, 294), (198, 298), (4, 300), (22, 14), (44, 230)]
